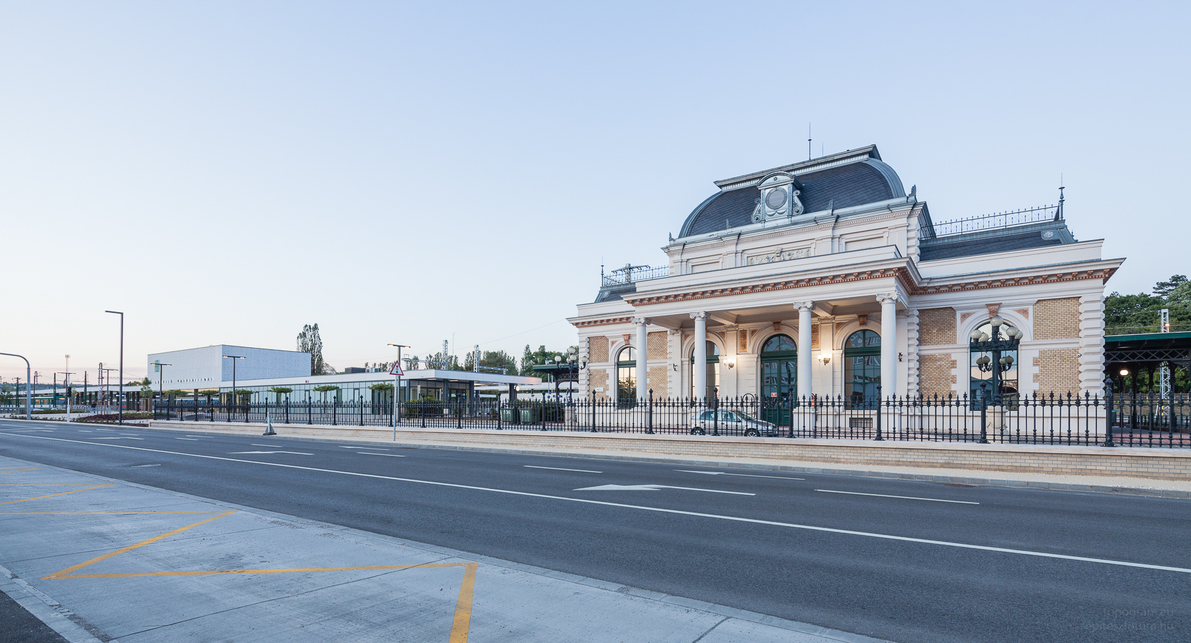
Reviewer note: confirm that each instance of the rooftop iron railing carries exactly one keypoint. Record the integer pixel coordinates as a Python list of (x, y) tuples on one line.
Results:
[(996, 221), (632, 274)]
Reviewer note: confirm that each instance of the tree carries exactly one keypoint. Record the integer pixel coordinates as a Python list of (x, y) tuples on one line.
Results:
[(324, 389), (491, 359), (541, 356), (280, 390), (1162, 289), (310, 342)]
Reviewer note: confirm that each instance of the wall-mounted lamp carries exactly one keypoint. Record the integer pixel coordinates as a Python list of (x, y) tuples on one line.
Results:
[(824, 359), (675, 367), (731, 364), (1124, 372), (901, 357)]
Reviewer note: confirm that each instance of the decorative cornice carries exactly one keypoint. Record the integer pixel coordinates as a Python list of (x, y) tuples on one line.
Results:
[(602, 322), (901, 273), (785, 284)]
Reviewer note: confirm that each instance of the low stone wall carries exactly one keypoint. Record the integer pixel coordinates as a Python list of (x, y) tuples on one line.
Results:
[(1162, 464)]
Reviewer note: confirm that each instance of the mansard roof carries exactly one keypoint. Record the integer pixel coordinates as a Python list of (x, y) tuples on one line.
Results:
[(846, 179)]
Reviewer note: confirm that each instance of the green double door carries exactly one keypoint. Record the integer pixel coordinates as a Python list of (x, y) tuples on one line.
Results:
[(779, 379)]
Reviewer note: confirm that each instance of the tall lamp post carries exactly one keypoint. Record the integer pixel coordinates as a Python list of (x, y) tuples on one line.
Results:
[(234, 358), (397, 388), (120, 388), (161, 377), (996, 344), (28, 395)]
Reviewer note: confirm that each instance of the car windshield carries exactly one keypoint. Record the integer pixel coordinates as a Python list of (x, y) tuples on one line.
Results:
[(746, 416)]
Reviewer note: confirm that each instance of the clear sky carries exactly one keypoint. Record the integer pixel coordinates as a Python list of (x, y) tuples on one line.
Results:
[(225, 172)]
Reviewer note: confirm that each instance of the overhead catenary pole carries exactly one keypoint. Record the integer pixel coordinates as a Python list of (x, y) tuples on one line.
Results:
[(28, 394), (120, 384)]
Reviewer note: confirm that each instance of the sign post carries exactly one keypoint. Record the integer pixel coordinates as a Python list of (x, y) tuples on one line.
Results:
[(396, 372)]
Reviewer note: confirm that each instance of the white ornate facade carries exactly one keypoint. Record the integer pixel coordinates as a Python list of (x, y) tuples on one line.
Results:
[(818, 252)]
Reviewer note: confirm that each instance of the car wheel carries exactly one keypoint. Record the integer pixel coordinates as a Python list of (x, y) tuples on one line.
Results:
[(752, 433), (698, 431)]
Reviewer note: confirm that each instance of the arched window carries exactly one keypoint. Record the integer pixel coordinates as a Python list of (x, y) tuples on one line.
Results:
[(713, 372), (862, 367), (983, 364), (626, 377)]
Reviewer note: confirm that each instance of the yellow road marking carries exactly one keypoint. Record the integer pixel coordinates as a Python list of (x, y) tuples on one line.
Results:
[(154, 539), (12, 502), (228, 572), (47, 484), (19, 470), (462, 620), (96, 513)]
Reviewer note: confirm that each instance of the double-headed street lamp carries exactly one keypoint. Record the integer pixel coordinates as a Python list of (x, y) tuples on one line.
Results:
[(997, 344), (120, 388), (234, 358)]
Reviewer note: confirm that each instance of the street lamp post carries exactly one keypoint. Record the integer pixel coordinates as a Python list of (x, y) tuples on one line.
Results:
[(161, 377), (28, 395), (120, 388), (996, 344), (397, 389), (234, 358)]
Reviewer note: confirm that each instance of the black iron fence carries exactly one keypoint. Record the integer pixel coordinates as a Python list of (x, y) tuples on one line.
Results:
[(1131, 420)]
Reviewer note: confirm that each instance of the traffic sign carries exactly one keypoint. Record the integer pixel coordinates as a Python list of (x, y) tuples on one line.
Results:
[(396, 370)]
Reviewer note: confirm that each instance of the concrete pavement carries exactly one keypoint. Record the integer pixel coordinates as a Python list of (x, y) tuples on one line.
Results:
[(98, 559)]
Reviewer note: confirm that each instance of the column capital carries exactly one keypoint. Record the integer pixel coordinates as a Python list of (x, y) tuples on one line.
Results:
[(887, 298), (640, 320), (803, 305), (699, 315)]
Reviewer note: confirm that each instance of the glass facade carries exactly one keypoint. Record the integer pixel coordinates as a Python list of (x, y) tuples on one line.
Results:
[(626, 377)]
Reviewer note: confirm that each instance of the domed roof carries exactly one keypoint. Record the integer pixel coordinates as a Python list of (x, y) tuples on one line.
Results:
[(843, 180)]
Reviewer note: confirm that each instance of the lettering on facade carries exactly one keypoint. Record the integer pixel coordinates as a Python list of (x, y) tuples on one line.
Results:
[(780, 255)]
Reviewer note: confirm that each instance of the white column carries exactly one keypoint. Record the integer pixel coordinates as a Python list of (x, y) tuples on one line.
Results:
[(642, 359), (804, 349), (888, 344), (700, 361)]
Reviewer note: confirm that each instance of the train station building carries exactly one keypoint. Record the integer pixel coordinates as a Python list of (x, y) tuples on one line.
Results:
[(828, 277)]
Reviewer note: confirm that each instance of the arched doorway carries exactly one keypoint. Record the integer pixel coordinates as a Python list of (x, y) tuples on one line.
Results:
[(779, 379), (862, 368), (713, 372)]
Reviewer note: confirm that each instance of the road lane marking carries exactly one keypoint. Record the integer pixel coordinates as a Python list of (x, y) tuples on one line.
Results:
[(202, 437), (372, 448), (187, 439), (13, 502), (622, 505), (267, 452), (655, 487), (391, 455), (530, 466), (19, 470), (271, 446), (120, 437), (882, 495), (741, 475)]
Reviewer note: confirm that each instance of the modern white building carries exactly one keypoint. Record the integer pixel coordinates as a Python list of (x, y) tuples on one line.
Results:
[(827, 277), (206, 367), (446, 386)]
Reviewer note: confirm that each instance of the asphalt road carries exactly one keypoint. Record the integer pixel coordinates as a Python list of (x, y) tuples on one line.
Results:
[(893, 559)]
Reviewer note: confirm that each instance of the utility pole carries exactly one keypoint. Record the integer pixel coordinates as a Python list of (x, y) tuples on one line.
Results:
[(397, 388)]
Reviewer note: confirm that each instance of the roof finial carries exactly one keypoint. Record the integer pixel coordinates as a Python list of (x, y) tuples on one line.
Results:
[(1059, 213), (808, 141)]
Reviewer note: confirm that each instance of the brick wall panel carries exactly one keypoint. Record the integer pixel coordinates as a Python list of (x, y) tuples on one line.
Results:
[(936, 327), (936, 375), (597, 347), (655, 344), (1058, 371), (1056, 319)]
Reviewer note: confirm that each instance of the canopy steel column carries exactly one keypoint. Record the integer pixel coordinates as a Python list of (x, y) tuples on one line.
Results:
[(888, 344), (804, 348), (28, 392), (642, 359), (699, 362)]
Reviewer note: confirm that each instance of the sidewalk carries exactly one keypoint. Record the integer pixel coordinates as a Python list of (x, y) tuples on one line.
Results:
[(99, 559)]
